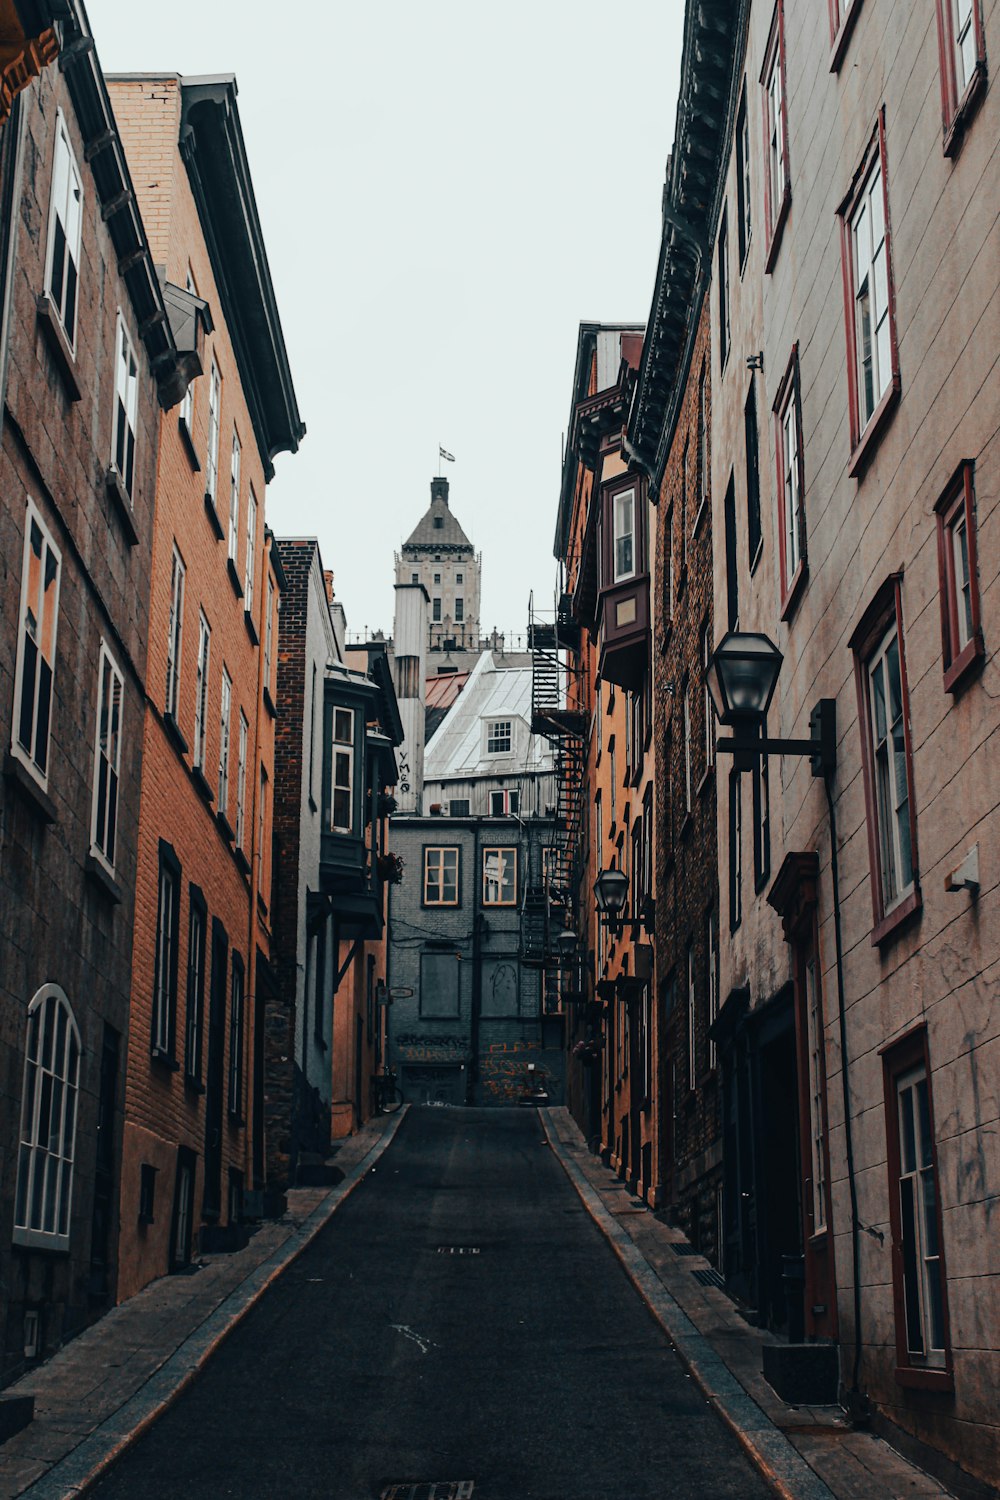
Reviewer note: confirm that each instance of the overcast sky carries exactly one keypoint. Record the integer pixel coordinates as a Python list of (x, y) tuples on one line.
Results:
[(447, 189)]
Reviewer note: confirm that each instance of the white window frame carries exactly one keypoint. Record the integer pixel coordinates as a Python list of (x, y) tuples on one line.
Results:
[(791, 486), (501, 878), (499, 736), (107, 758), (916, 1168), (47, 1147), (817, 1120), (261, 831), (443, 859), (241, 780), (214, 427), (175, 628), (235, 465), (887, 769), (871, 288), (201, 692), (250, 566), (66, 219), (186, 412), (195, 989), (268, 634), (623, 542), (168, 900), (126, 410), (342, 768), (42, 633), (225, 720)]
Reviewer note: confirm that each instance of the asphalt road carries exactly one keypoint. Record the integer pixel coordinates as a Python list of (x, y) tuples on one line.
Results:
[(531, 1367)]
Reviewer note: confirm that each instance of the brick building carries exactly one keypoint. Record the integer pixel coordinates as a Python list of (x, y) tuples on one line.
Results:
[(194, 1135), (89, 360)]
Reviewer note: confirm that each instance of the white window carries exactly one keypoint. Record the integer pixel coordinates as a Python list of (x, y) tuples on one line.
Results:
[(186, 413), (712, 941), (36, 645), (923, 1282), (889, 760), (201, 692), (691, 1038), (499, 877), (775, 126), (499, 737), (107, 759), (966, 42), (234, 497), (65, 218), (871, 295), (48, 1123), (261, 834), (687, 747), (248, 571), (441, 877), (174, 629), (791, 489), (342, 773), (165, 975), (624, 535), (241, 780), (214, 414), (268, 634), (225, 715), (195, 988), (126, 409), (814, 1043), (709, 711)]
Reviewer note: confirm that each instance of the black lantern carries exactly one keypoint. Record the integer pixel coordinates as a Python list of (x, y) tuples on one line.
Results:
[(742, 676), (566, 944), (610, 891)]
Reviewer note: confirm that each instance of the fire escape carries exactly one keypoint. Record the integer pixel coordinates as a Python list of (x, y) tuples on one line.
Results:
[(558, 713)]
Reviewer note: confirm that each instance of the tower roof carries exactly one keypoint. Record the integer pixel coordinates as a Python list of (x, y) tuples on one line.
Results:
[(437, 527)]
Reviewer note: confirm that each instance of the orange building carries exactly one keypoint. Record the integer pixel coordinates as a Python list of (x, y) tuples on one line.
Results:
[(194, 1130)]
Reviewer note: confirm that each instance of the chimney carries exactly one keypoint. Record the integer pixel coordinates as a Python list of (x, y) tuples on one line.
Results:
[(328, 579), (439, 489)]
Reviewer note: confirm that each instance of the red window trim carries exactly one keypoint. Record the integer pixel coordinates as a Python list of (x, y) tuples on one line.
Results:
[(840, 29), (886, 606), (960, 496), (790, 390), (898, 1056), (774, 54), (956, 111), (864, 439)]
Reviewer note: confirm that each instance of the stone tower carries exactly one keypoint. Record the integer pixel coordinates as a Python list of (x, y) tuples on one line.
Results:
[(439, 555)]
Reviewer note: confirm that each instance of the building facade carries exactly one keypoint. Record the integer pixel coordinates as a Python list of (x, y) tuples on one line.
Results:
[(439, 555), (202, 972), (89, 361)]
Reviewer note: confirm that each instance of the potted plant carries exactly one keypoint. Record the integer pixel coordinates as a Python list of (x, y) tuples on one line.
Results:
[(390, 869)]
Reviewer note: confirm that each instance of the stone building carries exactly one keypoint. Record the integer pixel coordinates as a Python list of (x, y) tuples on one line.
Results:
[(89, 360), (439, 555), (202, 972)]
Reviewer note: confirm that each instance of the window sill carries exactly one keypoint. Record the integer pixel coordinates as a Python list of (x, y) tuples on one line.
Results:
[(102, 878), (55, 336), (843, 36), (115, 486), (269, 703), (193, 1085), (925, 1380), (198, 777), (889, 924), (164, 1060), (965, 664), (876, 425), (794, 592), (36, 1239), (173, 733), (24, 779), (251, 628), (188, 441), (223, 825), (213, 517), (700, 515), (778, 231), (234, 578), (967, 106)]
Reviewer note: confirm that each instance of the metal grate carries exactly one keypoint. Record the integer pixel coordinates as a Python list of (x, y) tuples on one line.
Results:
[(683, 1248), (711, 1277), (444, 1489)]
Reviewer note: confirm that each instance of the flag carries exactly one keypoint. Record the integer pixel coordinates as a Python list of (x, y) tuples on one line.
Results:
[(443, 453)]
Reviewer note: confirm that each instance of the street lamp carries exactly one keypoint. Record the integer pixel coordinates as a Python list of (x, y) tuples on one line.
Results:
[(742, 676), (566, 945), (610, 890)]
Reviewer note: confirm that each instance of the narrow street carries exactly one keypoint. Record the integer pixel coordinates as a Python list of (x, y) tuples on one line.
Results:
[(383, 1355)]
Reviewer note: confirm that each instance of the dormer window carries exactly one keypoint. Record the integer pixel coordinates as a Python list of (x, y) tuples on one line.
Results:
[(499, 737), (624, 535), (438, 523), (342, 779)]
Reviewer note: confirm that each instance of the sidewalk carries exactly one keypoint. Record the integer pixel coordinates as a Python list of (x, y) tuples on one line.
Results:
[(109, 1384), (805, 1452)]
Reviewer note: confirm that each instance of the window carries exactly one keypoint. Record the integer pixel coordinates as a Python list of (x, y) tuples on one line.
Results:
[(441, 877), (459, 611), (174, 630), (186, 413), (703, 475), (686, 710), (342, 777), (685, 506), (126, 409), (668, 568), (241, 780), (791, 485), (712, 962), (887, 755), (499, 877), (624, 535), (499, 737), (195, 986), (36, 645), (436, 610), (724, 318), (262, 868), (201, 692), (744, 213), (777, 182), (225, 716), (268, 635), (599, 829), (48, 1122), (164, 1018), (706, 696), (761, 821), (961, 619), (234, 498), (214, 414), (65, 219), (505, 802), (872, 360), (414, 577), (963, 65), (248, 571), (437, 578), (735, 850), (613, 778), (732, 567), (923, 1353), (107, 759), (691, 1039), (817, 1094), (459, 577), (842, 17), (235, 1100), (312, 734), (754, 538)]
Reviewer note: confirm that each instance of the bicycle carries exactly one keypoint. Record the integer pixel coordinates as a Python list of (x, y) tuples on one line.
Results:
[(386, 1093)]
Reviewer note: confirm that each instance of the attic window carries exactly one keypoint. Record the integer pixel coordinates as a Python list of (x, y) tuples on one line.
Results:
[(498, 737), (438, 523)]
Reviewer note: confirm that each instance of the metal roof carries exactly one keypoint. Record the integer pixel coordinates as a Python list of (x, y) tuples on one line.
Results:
[(492, 692)]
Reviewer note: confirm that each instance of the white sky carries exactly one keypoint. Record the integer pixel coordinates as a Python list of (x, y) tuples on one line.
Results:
[(446, 190)]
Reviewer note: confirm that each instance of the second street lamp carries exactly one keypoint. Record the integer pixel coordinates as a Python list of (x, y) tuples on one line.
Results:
[(742, 676)]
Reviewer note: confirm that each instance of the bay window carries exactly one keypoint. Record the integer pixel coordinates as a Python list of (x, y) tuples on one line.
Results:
[(342, 780), (624, 535)]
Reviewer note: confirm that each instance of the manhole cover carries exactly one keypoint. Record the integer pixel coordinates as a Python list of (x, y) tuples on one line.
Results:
[(459, 1250), (710, 1277), (683, 1248), (446, 1489)]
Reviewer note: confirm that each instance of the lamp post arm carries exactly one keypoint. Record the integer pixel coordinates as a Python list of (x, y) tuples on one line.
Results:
[(736, 746)]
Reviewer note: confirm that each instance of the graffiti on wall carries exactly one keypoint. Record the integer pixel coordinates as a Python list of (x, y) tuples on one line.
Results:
[(503, 1069)]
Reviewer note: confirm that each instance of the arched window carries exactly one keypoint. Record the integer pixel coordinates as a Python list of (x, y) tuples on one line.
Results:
[(48, 1122)]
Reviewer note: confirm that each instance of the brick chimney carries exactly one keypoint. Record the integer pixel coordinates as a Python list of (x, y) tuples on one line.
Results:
[(328, 580)]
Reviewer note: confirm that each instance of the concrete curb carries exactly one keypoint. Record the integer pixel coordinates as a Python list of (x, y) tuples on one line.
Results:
[(778, 1461), (91, 1459)]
